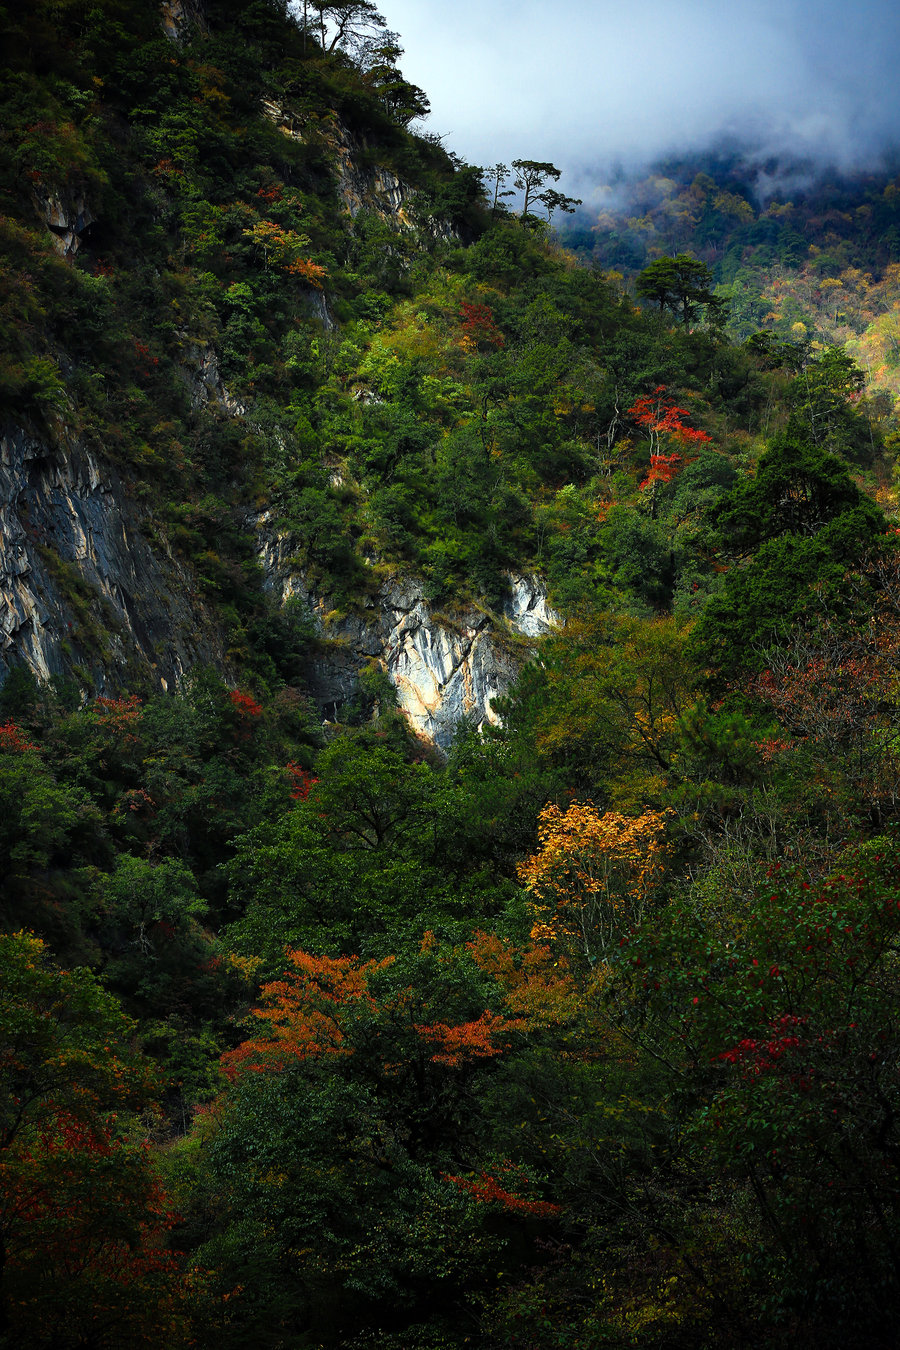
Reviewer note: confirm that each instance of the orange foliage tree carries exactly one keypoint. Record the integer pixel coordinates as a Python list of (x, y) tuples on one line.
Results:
[(284, 249), (537, 981), (411, 1030), (325, 1006)]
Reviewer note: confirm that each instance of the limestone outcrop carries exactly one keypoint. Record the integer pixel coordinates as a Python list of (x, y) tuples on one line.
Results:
[(442, 670), (85, 592), (180, 17)]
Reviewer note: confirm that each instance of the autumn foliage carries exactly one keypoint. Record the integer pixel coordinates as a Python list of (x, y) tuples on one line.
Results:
[(481, 1038), (303, 1016), (479, 327), (84, 1220), (284, 249), (322, 1006), (537, 982), (84, 1204), (664, 422), (13, 740), (244, 704), (120, 716), (301, 780), (487, 1189), (833, 690), (592, 875)]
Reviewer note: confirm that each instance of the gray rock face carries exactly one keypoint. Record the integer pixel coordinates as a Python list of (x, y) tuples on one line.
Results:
[(200, 370), (442, 672), (317, 305), (83, 592), (66, 215), (81, 589), (526, 609), (88, 587), (374, 189)]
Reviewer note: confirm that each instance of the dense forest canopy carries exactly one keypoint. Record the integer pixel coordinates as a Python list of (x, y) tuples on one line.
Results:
[(586, 1031), (807, 254)]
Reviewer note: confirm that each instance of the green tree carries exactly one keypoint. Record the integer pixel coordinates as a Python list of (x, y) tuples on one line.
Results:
[(791, 535), (553, 201), (797, 489), (353, 1151), (148, 925), (530, 177), (498, 175), (345, 23), (825, 397), (786, 1034), (363, 861), (682, 284), (49, 832)]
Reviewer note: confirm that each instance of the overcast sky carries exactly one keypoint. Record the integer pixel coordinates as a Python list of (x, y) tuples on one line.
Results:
[(585, 83)]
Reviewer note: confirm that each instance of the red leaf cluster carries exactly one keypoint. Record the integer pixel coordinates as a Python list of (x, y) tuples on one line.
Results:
[(661, 417), (121, 716), (486, 1190), (245, 704), (478, 325), (12, 740), (143, 354), (663, 468), (757, 1055), (301, 780)]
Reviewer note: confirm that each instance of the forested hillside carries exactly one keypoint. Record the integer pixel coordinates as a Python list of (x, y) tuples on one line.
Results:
[(808, 255), (578, 1025)]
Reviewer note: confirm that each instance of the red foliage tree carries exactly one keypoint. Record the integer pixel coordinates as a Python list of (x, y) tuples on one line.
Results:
[(661, 418), (12, 740), (478, 327), (121, 716), (487, 1190), (302, 781)]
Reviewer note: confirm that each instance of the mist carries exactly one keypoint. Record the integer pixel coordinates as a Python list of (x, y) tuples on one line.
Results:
[(594, 85)]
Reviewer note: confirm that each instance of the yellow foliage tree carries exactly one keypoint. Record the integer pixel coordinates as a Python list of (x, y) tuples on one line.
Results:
[(592, 875)]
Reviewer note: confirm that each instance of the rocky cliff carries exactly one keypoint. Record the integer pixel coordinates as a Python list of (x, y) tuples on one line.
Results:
[(90, 588), (83, 593), (442, 669), (180, 17), (360, 186)]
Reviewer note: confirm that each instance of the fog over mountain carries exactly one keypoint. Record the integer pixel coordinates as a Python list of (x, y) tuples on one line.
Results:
[(591, 84)]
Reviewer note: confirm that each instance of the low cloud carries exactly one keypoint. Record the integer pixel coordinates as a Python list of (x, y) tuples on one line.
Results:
[(592, 84)]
